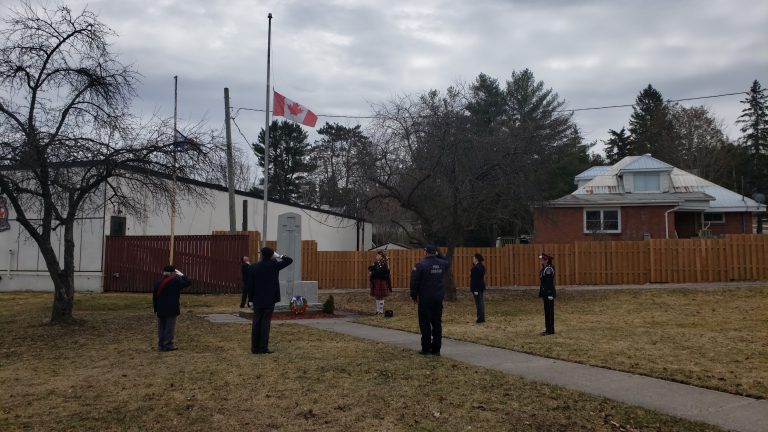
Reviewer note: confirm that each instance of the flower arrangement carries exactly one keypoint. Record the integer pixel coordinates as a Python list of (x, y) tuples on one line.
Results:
[(299, 305)]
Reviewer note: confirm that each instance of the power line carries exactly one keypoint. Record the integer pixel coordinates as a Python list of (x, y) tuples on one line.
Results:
[(564, 110), (240, 131)]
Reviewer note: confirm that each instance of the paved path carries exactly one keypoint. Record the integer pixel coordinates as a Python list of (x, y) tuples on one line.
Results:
[(692, 286), (728, 411)]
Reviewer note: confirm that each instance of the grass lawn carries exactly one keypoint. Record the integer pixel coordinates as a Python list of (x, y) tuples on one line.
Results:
[(104, 374), (714, 338)]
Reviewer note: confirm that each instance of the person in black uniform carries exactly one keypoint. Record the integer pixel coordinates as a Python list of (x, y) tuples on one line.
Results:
[(428, 291), (245, 264), (477, 285), (547, 292), (165, 302), (265, 292)]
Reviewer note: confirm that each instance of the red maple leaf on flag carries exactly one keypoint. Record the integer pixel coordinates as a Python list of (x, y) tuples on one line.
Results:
[(295, 109)]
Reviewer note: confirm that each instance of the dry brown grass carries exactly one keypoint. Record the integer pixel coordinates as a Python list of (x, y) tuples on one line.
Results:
[(103, 374), (714, 338)]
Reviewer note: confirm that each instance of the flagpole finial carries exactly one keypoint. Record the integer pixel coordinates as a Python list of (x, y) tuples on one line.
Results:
[(269, 15)]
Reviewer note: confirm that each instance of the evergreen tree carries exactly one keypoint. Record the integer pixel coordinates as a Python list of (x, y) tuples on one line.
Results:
[(487, 104), (650, 126), (338, 176), (289, 161), (754, 121), (618, 146)]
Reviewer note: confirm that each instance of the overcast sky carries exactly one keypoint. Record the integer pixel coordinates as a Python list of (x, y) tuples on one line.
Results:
[(338, 57)]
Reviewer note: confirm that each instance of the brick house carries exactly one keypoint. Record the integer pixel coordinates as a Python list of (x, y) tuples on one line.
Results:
[(641, 197)]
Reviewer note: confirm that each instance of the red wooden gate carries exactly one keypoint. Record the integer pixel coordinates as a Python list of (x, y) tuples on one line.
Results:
[(212, 262)]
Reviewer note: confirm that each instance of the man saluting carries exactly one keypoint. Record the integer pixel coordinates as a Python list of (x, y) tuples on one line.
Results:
[(265, 292)]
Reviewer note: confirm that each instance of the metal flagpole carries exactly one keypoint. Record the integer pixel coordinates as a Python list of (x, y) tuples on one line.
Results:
[(173, 190), (266, 139)]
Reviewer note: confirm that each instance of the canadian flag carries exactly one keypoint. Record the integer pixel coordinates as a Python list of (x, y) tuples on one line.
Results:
[(293, 111)]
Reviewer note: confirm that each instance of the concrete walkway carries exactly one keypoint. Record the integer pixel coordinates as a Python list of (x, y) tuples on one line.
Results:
[(728, 411), (691, 286)]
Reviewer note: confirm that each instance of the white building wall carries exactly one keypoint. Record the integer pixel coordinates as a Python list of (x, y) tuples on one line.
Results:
[(329, 231), (22, 268)]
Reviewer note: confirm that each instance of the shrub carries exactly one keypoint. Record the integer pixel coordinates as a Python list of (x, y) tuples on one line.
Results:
[(328, 306)]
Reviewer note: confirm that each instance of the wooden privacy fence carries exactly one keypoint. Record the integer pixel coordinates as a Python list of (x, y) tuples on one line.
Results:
[(254, 240), (733, 258), (134, 263)]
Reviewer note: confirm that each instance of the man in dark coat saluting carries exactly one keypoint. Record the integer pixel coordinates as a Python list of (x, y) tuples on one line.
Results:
[(265, 292), (165, 302)]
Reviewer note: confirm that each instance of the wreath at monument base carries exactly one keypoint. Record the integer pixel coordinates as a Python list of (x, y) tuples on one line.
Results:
[(299, 305)]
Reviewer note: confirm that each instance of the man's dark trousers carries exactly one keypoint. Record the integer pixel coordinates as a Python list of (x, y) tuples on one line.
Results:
[(262, 318), (166, 327), (549, 316), (480, 306), (431, 326)]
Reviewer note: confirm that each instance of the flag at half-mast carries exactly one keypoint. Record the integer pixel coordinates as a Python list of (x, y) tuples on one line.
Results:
[(183, 143), (293, 111)]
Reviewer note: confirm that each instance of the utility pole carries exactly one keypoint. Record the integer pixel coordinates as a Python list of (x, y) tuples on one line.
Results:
[(230, 164)]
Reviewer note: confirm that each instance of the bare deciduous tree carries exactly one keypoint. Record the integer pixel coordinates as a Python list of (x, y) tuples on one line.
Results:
[(702, 146), (69, 138)]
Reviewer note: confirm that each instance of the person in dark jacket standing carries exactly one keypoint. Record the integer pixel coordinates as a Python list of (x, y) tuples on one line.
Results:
[(245, 264), (428, 291), (265, 292), (477, 285), (547, 292), (165, 302), (381, 283)]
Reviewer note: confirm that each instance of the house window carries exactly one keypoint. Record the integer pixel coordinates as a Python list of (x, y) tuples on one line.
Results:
[(602, 220), (714, 217), (647, 182)]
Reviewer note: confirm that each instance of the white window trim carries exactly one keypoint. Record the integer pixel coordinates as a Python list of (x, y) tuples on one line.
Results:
[(722, 221), (601, 210)]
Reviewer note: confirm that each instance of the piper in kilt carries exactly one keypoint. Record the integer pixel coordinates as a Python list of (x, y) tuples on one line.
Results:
[(381, 283)]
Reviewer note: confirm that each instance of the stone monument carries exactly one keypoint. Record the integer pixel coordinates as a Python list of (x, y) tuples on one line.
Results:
[(289, 243)]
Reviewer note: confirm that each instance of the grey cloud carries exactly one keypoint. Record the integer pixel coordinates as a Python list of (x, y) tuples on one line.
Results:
[(336, 57)]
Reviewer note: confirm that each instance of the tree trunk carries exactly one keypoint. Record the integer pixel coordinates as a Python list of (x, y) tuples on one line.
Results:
[(64, 280), (63, 299)]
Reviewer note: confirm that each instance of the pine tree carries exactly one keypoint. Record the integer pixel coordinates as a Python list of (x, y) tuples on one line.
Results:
[(650, 125), (754, 120), (289, 161), (618, 146)]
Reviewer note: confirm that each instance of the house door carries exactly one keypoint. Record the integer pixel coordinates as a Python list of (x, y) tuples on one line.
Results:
[(687, 224)]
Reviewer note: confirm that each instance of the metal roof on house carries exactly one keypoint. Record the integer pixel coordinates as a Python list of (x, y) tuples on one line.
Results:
[(591, 172), (724, 199), (593, 200), (686, 190), (647, 162)]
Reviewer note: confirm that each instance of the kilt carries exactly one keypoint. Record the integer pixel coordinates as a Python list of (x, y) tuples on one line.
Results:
[(379, 288)]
